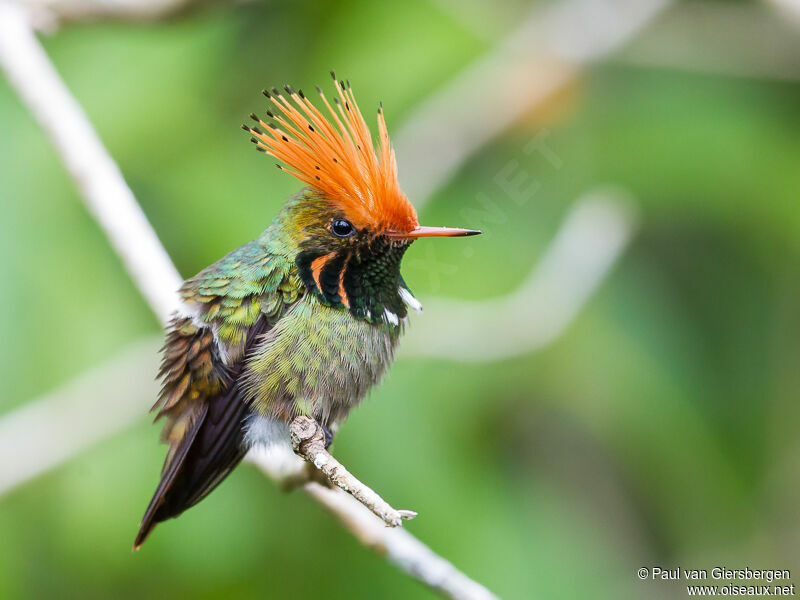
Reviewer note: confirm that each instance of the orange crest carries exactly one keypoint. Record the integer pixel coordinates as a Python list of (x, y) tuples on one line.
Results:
[(337, 157)]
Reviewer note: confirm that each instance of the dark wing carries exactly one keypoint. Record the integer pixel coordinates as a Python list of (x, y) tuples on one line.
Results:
[(209, 447), (201, 396)]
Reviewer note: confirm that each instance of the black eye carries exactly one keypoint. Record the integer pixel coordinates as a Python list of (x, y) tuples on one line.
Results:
[(342, 228)]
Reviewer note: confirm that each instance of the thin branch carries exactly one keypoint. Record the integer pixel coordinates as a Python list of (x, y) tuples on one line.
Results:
[(48, 15), (48, 431), (534, 62), (680, 40), (591, 239), (308, 441), (400, 547), (396, 544), (787, 8), (99, 180)]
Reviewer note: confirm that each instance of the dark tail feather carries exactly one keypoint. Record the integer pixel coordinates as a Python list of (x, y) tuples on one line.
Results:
[(208, 453), (149, 519)]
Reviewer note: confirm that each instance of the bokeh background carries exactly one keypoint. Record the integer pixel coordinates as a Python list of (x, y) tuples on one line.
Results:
[(660, 428)]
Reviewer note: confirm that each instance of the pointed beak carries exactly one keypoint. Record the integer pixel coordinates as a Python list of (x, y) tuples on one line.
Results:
[(422, 231)]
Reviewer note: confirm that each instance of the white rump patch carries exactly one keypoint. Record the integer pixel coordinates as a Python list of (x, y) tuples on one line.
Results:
[(409, 299)]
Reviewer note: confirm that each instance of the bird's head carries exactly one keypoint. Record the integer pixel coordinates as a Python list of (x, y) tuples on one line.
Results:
[(353, 223)]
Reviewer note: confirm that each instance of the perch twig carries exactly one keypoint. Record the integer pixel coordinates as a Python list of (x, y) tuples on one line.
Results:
[(308, 441)]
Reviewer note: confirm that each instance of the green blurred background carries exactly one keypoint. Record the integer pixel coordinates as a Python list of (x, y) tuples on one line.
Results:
[(660, 429)]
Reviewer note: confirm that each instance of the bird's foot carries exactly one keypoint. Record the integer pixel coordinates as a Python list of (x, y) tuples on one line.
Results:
[(328, 436)]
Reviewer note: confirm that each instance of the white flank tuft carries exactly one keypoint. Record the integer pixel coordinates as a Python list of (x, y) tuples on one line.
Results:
[(391, 317), (409, 299)]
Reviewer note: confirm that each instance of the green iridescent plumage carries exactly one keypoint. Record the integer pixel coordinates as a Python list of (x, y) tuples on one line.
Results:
[(302, 320), (255, 335), (317, 358), (318, 362)]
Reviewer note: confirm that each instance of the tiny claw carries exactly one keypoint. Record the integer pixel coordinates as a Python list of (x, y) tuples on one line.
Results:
[(326, 431)]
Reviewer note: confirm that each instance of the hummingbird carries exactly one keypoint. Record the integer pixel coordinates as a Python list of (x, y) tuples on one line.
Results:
[(303, 320)]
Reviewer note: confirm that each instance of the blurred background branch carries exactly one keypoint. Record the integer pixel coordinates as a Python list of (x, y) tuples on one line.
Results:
[(104, 191), (48, 15), (77, 416), (788, 8), (593, 235), (531, 64), (679, 40)]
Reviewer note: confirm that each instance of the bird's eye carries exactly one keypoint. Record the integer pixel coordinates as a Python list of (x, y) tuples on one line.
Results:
[(342, 228)]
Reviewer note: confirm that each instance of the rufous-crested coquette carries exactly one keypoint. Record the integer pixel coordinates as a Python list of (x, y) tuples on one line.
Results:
[(302, 320)]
